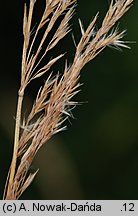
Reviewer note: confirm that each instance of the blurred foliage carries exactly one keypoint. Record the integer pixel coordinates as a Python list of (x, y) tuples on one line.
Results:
[(97, 157)]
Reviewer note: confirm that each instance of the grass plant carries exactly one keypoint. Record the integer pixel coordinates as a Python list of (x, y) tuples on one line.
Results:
[(54, 100)]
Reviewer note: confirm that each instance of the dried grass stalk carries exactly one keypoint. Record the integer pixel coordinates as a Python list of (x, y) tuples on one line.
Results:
[(54, 100)]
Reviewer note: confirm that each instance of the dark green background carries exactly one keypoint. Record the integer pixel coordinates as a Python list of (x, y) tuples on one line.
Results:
[(97, 157)]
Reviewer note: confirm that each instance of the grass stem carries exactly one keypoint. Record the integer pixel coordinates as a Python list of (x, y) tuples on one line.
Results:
[(16, 144)]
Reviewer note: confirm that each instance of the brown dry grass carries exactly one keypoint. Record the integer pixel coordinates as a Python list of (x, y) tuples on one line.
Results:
[(54, 100)]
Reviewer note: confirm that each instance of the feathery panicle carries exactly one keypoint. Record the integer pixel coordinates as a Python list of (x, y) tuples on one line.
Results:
[(54, 102)]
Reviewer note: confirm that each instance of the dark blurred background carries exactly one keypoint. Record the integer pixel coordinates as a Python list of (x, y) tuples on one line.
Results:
[(97, 157)]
